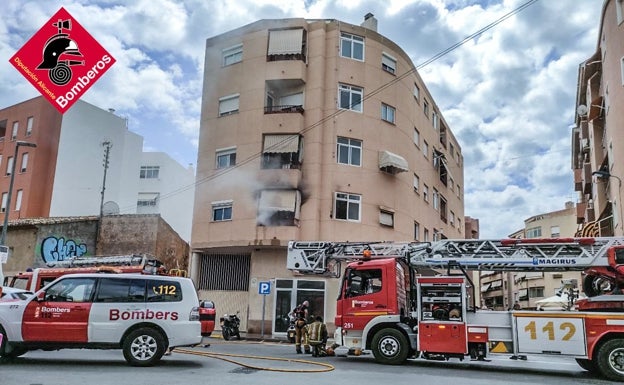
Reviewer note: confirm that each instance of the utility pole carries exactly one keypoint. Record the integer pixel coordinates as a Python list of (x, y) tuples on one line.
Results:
[(107, 146)]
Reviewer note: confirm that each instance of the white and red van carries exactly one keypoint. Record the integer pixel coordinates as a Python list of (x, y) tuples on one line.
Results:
[(144, 315)]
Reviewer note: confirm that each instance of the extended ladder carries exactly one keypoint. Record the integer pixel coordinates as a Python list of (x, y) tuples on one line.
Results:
[(116, 260), (551, 254)]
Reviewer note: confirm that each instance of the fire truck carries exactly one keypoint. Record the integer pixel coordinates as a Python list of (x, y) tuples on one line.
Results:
[(39, 277), (412, 300)]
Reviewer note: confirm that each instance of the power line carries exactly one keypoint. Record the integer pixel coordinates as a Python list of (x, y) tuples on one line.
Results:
[(366, 97)]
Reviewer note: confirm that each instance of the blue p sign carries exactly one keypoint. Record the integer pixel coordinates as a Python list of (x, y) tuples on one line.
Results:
[(264, 288)]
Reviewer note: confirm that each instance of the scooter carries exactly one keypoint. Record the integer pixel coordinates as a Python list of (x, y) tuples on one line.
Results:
[(229, 326)]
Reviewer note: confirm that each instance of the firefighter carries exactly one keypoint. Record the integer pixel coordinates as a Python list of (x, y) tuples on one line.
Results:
[(301, 316), (317, 336)]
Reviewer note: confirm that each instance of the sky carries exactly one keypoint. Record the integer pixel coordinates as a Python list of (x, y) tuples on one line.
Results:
[(508, 94)]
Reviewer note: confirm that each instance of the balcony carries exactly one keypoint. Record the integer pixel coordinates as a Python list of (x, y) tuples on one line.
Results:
[(580, 212), (287, 178), (287, 109), (578, 179)]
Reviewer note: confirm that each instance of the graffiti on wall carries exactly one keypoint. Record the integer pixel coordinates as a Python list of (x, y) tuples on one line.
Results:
[(55, 249)]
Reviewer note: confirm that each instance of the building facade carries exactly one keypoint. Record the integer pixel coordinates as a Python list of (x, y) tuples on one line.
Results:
[(64, 174), (501, 290), (312, 130), (597, 140)]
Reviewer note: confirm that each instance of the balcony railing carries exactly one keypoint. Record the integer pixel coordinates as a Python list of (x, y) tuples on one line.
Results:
[(283, 109)]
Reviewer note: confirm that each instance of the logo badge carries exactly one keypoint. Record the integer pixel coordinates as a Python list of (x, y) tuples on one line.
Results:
[(62, 60)]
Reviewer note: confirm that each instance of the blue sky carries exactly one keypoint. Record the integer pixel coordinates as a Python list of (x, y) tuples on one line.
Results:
[(508, 95)]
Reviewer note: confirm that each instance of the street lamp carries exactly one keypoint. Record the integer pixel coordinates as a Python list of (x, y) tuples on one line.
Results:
[(606, 175), (18, 144)]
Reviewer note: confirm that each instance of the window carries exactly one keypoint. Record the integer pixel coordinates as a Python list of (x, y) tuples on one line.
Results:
[(416, 231), (232, 55), (282, 151), (436, 199), (425, 193), (452, 218), (555, 232), (163, 291), (226, 157), (363, 282), (416, 182), (352, 46), (350, 97), (147, 203), (149, 172), (388, 63), (14, 132), (416, 137), (425, 149), (426, 108), (121, 290), (71, 290), (416, 92), (18, 200), (434, 120), (387, 113), (426, 235), (386, 218), (286, 44), (228, 105), (9, 165), (4, 202), (29, 125), (24, 162), (279, 207), (349, 151), (534, 232), (536, 292), (347, 206), (221, 211), (622, 68), (619, 9)]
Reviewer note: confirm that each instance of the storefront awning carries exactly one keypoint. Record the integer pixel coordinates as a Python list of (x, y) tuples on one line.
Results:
[(485, 287), (497, 284), (392, 163)]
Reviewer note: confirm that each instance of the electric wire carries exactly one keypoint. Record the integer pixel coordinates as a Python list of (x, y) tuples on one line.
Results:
[(368, 95)]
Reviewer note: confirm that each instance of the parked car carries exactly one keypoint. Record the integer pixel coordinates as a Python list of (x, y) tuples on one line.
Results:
[(13, 294), (207, 316)]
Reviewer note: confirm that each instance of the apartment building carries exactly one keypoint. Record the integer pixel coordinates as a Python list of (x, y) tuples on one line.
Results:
[(501, 290), (312, 130), (597, 141), (60, 166)]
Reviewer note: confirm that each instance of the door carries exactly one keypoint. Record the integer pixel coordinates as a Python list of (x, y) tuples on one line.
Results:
[(364, 297), (63, 313)]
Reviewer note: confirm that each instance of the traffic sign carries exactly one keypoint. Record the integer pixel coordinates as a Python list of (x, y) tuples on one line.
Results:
[(264, 288)]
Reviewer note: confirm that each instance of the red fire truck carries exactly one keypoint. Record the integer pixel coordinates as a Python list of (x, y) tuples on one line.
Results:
[(39, 277), (388, 306)]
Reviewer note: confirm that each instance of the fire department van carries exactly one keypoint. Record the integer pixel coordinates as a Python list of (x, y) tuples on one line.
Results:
[(143, 315)]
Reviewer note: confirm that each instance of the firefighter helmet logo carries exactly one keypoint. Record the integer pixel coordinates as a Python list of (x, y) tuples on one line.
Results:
[(60, 45), (62, 60)]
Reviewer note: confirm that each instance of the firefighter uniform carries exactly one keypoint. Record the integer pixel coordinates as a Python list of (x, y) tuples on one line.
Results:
[(301, 315)]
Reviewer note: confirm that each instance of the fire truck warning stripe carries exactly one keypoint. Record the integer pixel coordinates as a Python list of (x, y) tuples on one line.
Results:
[(369, 313)]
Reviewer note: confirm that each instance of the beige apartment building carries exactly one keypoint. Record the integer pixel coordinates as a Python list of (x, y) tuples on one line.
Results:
[(597, 139), (501, 290), (312, 130)]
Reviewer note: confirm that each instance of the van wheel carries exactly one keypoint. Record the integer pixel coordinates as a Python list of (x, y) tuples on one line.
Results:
[(143, 347), (610, 359), (390, 347)]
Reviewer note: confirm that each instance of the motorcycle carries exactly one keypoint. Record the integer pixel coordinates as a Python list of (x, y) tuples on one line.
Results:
[(229, 326), (290, 333)]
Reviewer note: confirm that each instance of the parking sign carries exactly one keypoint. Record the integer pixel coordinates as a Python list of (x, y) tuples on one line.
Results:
[(264, 288)]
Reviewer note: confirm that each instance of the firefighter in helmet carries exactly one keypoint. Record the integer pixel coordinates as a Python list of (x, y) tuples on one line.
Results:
[(301, 317)]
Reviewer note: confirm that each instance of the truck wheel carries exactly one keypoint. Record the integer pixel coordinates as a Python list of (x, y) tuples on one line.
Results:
[(588, 365), (143, 347), (610, 359), (390, 347)]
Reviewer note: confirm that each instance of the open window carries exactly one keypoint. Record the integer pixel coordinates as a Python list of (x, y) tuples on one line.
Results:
[(282, 151), (279, 208)]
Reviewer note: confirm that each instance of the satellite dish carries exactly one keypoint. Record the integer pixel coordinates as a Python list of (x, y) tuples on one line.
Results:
[(581, 110), (110, 208)]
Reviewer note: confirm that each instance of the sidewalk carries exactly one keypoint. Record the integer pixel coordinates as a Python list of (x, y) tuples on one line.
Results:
[(254, 337)]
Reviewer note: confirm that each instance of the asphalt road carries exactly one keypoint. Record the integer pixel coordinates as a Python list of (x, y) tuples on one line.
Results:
[(230, 363)]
